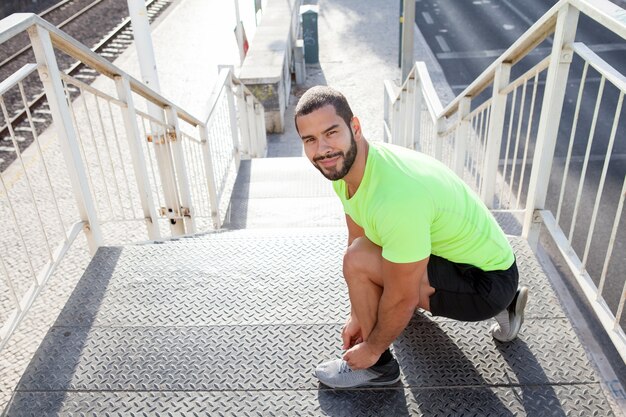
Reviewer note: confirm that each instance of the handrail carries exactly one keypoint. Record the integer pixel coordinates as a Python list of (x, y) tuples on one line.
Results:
[(536, 34), (604, 12), (20, 22), (494, 143), (600, 65), (178, 167)]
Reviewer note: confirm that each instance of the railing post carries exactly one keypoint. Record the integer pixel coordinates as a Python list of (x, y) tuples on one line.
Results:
[(401, 140), (386, 121), (261, 133), (439, 128), (417, 111), (462, 133), (210, 177), (53, 87), (395, 121), (232, 112), (136, 153), (244, 125), (167, 175), (408, 114), (255, 150), (174, 140), (556, 82), (494, 133)]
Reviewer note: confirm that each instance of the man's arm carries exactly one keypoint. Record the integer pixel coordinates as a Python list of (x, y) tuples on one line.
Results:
[(400, 298), (354, 230), (351, 332)]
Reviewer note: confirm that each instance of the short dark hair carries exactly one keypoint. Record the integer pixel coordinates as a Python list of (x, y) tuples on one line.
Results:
[(319, 96)]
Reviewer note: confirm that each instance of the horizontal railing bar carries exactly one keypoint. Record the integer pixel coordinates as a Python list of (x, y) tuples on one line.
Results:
[(602, 310), (219, 86), (16, 77), (479, 109), (151, 119), (451, 128), (608, 14), (71, 80), (430, 94), (519, 211), (15, 24), (600, 65), (19, 22), (528, 75), (391, 90)]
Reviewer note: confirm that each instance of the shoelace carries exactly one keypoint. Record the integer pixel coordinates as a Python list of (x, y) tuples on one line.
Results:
[(344, 368)]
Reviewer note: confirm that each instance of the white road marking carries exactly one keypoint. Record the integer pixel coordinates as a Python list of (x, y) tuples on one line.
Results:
[(494, 53), (519, 14), (427, 18), (575, 82), (442, 43), (508, 27)]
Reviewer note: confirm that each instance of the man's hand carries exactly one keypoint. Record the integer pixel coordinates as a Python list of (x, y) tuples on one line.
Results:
[(361, 356), (351, 333)]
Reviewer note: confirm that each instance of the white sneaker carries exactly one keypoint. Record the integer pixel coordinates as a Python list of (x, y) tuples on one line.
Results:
[(338, 374), (516, 317)]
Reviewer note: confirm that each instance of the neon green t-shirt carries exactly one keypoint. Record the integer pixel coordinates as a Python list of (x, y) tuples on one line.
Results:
[(413, 206)]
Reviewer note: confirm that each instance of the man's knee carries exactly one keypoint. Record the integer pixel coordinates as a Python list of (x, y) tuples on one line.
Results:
[(352, 259), (360, 260)]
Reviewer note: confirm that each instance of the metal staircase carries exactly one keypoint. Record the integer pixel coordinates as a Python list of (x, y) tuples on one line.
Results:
[(234, 322)]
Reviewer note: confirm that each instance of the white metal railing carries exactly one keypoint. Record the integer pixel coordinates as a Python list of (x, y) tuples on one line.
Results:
[(501, 136), (116, 152)]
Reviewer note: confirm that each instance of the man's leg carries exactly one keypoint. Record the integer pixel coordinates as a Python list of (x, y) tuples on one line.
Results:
[(362, 270), (467, 293), (510, 320)]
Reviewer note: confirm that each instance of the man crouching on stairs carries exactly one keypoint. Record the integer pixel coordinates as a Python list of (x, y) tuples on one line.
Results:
[(419, 237)]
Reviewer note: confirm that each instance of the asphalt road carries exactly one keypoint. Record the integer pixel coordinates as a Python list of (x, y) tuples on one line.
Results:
[(467, 36)]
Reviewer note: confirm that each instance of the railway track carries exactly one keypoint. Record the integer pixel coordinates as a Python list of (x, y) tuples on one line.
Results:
[(83, 20)]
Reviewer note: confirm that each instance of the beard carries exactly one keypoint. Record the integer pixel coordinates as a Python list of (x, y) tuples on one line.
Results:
[(348, 160)]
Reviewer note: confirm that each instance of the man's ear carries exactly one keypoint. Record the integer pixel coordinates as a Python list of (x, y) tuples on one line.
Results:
[(355, 125)]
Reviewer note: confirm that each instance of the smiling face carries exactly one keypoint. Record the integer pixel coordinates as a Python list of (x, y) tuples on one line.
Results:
[(328, 142)]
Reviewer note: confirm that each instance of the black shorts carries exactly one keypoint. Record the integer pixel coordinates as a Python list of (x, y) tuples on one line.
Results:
[(465, 292)]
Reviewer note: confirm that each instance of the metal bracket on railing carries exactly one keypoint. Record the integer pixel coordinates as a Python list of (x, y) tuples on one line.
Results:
[(170, 134), (170, 214), (156, 139), (567, 55)]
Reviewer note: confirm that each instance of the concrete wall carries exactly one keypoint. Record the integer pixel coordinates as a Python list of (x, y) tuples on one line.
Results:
[(266, 71)]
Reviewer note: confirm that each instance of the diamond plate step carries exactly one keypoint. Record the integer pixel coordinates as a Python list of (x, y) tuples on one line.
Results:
[(281, 357), (233, 323), (559, 400), (264, 276)]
